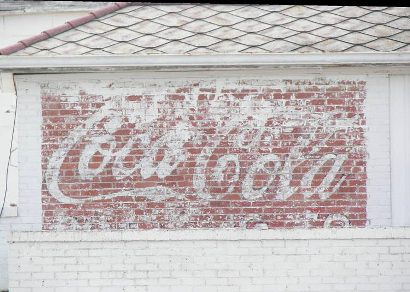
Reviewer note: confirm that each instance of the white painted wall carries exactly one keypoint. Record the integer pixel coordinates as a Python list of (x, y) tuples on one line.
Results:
[(7, 113), (228, 260), (20, 26), (378, 147), (9, 147), (376, 111), (29, 110), (400, 145), (24, 188)]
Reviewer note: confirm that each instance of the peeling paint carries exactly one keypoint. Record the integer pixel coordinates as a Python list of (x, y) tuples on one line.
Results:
[(201, 141)]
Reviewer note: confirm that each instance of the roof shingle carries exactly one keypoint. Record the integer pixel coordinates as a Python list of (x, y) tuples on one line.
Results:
[(126, 28)]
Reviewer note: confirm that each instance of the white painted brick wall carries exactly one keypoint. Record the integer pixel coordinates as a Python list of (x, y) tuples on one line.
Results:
[(30, 183), (7, 111), (27, 193), (378, 148), (377, 135), (212, 260)]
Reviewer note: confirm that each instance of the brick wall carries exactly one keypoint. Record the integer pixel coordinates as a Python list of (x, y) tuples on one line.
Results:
[(30, 88), (229, 260), (204, 153)]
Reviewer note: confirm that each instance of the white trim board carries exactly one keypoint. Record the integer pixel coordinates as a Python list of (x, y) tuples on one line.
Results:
[(219, 60), (400, 147), (378, 150), (210, 234)]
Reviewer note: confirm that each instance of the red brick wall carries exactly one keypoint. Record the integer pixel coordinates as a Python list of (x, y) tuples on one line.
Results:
[(217, 153)]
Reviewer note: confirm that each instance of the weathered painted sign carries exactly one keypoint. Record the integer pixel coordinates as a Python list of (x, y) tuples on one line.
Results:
[(204, 153)]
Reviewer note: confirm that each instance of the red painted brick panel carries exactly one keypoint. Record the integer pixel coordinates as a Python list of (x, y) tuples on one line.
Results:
[(204, 153)]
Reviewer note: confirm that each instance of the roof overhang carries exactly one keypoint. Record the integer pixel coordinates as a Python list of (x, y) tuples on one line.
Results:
[(32, 64)]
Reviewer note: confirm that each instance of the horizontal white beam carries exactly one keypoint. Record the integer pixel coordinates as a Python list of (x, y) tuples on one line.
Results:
[(32, 62), (210, 234)]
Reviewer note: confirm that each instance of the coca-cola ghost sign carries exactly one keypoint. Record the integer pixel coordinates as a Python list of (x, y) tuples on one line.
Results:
[(195, 145)]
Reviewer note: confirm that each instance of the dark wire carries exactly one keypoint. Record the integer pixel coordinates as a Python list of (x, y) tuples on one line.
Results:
[(8, 162)]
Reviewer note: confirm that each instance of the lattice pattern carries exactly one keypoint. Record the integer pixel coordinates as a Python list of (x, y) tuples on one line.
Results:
[(212, 29)]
